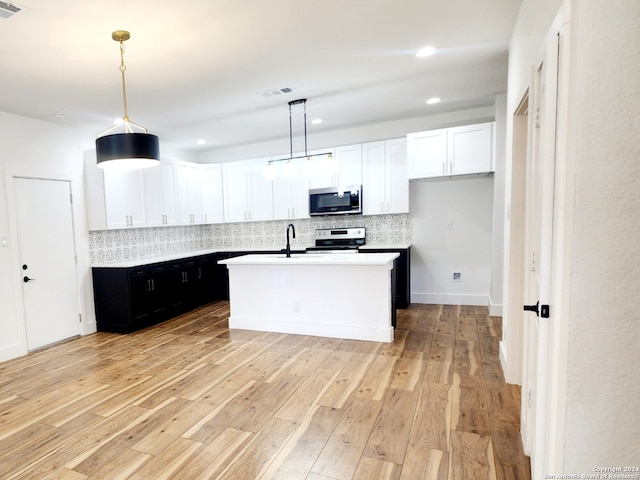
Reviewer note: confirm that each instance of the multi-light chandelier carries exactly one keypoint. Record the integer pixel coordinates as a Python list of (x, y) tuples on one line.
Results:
[(288, 166)]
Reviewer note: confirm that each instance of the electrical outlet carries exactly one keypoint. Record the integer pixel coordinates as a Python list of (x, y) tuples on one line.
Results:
[(449, 225), (456, 277)]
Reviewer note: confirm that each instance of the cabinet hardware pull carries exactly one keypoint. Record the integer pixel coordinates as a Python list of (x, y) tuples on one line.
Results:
[(199, 273), (153, 284)]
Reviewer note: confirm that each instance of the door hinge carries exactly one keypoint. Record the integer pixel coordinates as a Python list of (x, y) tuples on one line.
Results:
[(80, 317), (536, 118), (71, 198), (529, 398)]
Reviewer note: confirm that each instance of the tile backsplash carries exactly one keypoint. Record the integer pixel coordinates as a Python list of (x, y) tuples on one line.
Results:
[(112, 246)]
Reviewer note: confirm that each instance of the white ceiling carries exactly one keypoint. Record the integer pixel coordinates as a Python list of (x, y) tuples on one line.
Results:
[(194, 67)]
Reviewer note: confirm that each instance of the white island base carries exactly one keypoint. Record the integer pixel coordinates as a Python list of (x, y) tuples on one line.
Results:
[(342, 296)]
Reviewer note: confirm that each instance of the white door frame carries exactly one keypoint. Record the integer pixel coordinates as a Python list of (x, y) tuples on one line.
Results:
[(36, 174), (549, 398)]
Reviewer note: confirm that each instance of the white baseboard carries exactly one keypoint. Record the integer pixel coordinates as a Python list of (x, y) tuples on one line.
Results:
[(91, 327), (495, 310), (508, 376), (12, 351), (450, 299)]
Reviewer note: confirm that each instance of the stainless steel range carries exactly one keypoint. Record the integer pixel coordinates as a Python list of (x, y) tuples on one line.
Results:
[(338, 240)]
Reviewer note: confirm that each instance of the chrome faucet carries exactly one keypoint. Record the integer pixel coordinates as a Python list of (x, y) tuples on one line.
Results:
[(293, 230)]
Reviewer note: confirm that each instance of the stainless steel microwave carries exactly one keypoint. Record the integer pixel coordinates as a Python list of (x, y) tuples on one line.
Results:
[(335, 200)]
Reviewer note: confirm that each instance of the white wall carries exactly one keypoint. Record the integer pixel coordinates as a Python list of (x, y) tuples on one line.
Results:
[(31, 146), (497, 229), (451, 232), (594, 418), (603, 382)]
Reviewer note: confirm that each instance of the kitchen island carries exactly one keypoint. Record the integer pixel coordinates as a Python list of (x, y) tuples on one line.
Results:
[(342, 296)]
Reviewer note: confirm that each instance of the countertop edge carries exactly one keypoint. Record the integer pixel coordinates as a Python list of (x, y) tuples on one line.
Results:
[(139, 262)]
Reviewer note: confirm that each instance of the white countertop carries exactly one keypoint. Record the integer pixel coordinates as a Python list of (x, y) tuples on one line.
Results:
[(397, 246), (315, 259)]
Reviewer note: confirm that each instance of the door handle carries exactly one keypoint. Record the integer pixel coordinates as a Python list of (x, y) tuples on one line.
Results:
[(26, 279), (541, 310), (533, 308)]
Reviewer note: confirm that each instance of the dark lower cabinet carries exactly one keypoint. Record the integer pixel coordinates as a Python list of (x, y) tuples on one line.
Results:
[(128, 299), (402, 270)]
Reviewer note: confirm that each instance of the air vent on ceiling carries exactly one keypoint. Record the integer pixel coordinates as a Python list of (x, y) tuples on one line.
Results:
[(275, 91), (8, 10)]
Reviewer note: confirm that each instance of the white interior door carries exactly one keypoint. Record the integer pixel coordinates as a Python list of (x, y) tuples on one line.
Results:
[(538, 252), (47, 260)]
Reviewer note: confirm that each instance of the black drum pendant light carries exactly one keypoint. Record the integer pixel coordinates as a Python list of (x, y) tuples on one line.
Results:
[(131, 149)]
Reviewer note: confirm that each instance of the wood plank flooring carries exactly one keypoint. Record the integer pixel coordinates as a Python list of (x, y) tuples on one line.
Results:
[(190, 399)]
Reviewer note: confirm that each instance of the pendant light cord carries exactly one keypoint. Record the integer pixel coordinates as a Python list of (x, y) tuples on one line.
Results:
[(124, 88), (303, 101)]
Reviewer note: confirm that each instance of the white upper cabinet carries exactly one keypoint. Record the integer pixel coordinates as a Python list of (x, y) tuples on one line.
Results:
[(291, 189), (450, 151), (385, 186), (235, 191), (212, 201), (345, 168), (349, 165), (470, 149), (396, 172), (247, 192), (160, 192), (124, 199), (260, 191), (427, 154), (189, 193)]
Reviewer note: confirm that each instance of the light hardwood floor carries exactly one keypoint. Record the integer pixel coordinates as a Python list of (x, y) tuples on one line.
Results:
[(190, 399)]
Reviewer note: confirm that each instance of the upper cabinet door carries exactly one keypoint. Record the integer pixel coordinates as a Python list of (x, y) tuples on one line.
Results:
[(212, 198), (235, 190), (469, 149), (374, 178), (161, 194), (349, 165), (397, 185), (189, 193), (427, 154), (260, 190), (124, 198), (291, 189)]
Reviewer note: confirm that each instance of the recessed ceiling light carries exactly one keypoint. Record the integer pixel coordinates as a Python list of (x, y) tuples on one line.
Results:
[(316, 121), (433, 101), (426, 51), (202, 141)]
